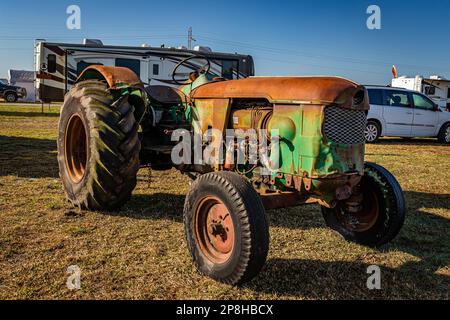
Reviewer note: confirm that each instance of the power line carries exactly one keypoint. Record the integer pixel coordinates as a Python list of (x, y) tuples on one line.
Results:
[(120, 37), (311, 55), (292, 64)]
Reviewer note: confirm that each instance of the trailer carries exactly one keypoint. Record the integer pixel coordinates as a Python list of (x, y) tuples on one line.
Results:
[(58, 65), (436, 88)]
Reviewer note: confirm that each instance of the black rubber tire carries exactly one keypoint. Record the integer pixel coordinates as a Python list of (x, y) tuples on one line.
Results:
[(250, 223), (8, 96), (112, 147), (391, 215), (378, 128), (442, 134)]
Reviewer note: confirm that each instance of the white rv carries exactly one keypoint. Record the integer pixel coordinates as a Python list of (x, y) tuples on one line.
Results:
[(435, 87), (58, 65)]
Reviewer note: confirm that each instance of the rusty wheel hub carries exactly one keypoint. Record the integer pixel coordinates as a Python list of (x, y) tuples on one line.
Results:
[(364, 218), (214, 230), (75, 145)]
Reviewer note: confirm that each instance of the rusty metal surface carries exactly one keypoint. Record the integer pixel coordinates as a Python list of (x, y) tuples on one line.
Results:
[(296, 90), (282, 200), (210, 113), (114, 76), (214, 230)]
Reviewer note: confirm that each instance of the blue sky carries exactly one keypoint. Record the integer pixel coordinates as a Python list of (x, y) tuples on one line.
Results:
[(285, 37)]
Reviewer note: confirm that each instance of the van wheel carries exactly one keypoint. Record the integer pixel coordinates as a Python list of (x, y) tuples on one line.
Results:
[(98, 147), (444, 134), (381, 214), (372, 132), (226, 227)]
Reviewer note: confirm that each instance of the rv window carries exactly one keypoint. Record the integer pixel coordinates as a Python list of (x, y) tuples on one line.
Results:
[(429, 90), (448, 93), (51, 63), (132, 64), (156, 69), (83, 65), (228, 69)]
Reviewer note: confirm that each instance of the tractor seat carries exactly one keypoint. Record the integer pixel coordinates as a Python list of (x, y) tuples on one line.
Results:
[(165, 94)]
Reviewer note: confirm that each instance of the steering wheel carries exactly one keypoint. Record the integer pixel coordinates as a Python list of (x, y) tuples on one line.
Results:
[(204, 69)]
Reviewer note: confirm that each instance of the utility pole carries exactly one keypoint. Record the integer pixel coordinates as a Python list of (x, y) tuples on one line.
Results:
[(190, 38)]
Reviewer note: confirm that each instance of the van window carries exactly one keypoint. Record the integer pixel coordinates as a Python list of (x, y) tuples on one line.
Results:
[(375, 96), (132, 64), (422, 102), (396, 99)]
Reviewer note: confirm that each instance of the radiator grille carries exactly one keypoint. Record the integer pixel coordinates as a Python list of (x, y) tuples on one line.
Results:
[(345, 126)]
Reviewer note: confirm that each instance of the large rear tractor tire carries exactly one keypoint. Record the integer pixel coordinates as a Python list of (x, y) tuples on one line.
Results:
[(226, 227), (381, 214), (98, 147)]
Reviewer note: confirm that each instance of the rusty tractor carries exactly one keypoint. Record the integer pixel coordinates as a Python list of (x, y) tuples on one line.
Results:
[(111, 125)]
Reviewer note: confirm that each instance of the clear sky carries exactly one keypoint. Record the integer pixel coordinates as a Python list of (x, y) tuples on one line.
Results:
[(319, 37)]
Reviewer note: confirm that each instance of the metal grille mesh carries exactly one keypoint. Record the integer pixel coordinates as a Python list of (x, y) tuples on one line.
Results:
[(345, 126)]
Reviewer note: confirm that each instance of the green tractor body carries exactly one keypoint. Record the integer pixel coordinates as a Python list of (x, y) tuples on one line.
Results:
[(314, 129)]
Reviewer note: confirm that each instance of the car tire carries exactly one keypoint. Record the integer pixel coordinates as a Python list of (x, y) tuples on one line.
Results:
[(226, 227), (372, 132), (444, 134), (11, 97), (382, 212), (98, 147)]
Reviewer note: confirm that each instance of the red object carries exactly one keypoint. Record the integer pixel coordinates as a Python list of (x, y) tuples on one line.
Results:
[(394, 72)]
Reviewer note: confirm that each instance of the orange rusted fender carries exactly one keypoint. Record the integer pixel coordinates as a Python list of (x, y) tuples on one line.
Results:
[(114, 76), (286, 90)]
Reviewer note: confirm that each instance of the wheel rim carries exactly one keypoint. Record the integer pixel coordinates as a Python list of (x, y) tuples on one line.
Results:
[(371, 133), (214, 230), (10, 98), (75, 146), (364, 219), (447, 134)]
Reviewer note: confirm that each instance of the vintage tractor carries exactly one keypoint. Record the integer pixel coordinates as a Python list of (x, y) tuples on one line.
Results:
[(111, 125)]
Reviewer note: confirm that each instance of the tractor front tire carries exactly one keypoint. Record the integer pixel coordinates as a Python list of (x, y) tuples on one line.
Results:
[(226, 227), (98, 147), (382, 212)]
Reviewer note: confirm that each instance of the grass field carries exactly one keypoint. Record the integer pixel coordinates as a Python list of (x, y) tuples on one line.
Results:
[(140, 252)]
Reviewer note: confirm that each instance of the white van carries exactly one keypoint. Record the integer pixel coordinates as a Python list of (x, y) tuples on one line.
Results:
[(404, 113)]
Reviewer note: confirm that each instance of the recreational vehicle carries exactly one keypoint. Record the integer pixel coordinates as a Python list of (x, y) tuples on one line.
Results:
[(435, 87), (58, 65)]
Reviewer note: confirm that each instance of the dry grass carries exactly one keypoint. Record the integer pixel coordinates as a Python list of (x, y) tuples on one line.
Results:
[(140, 253)]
